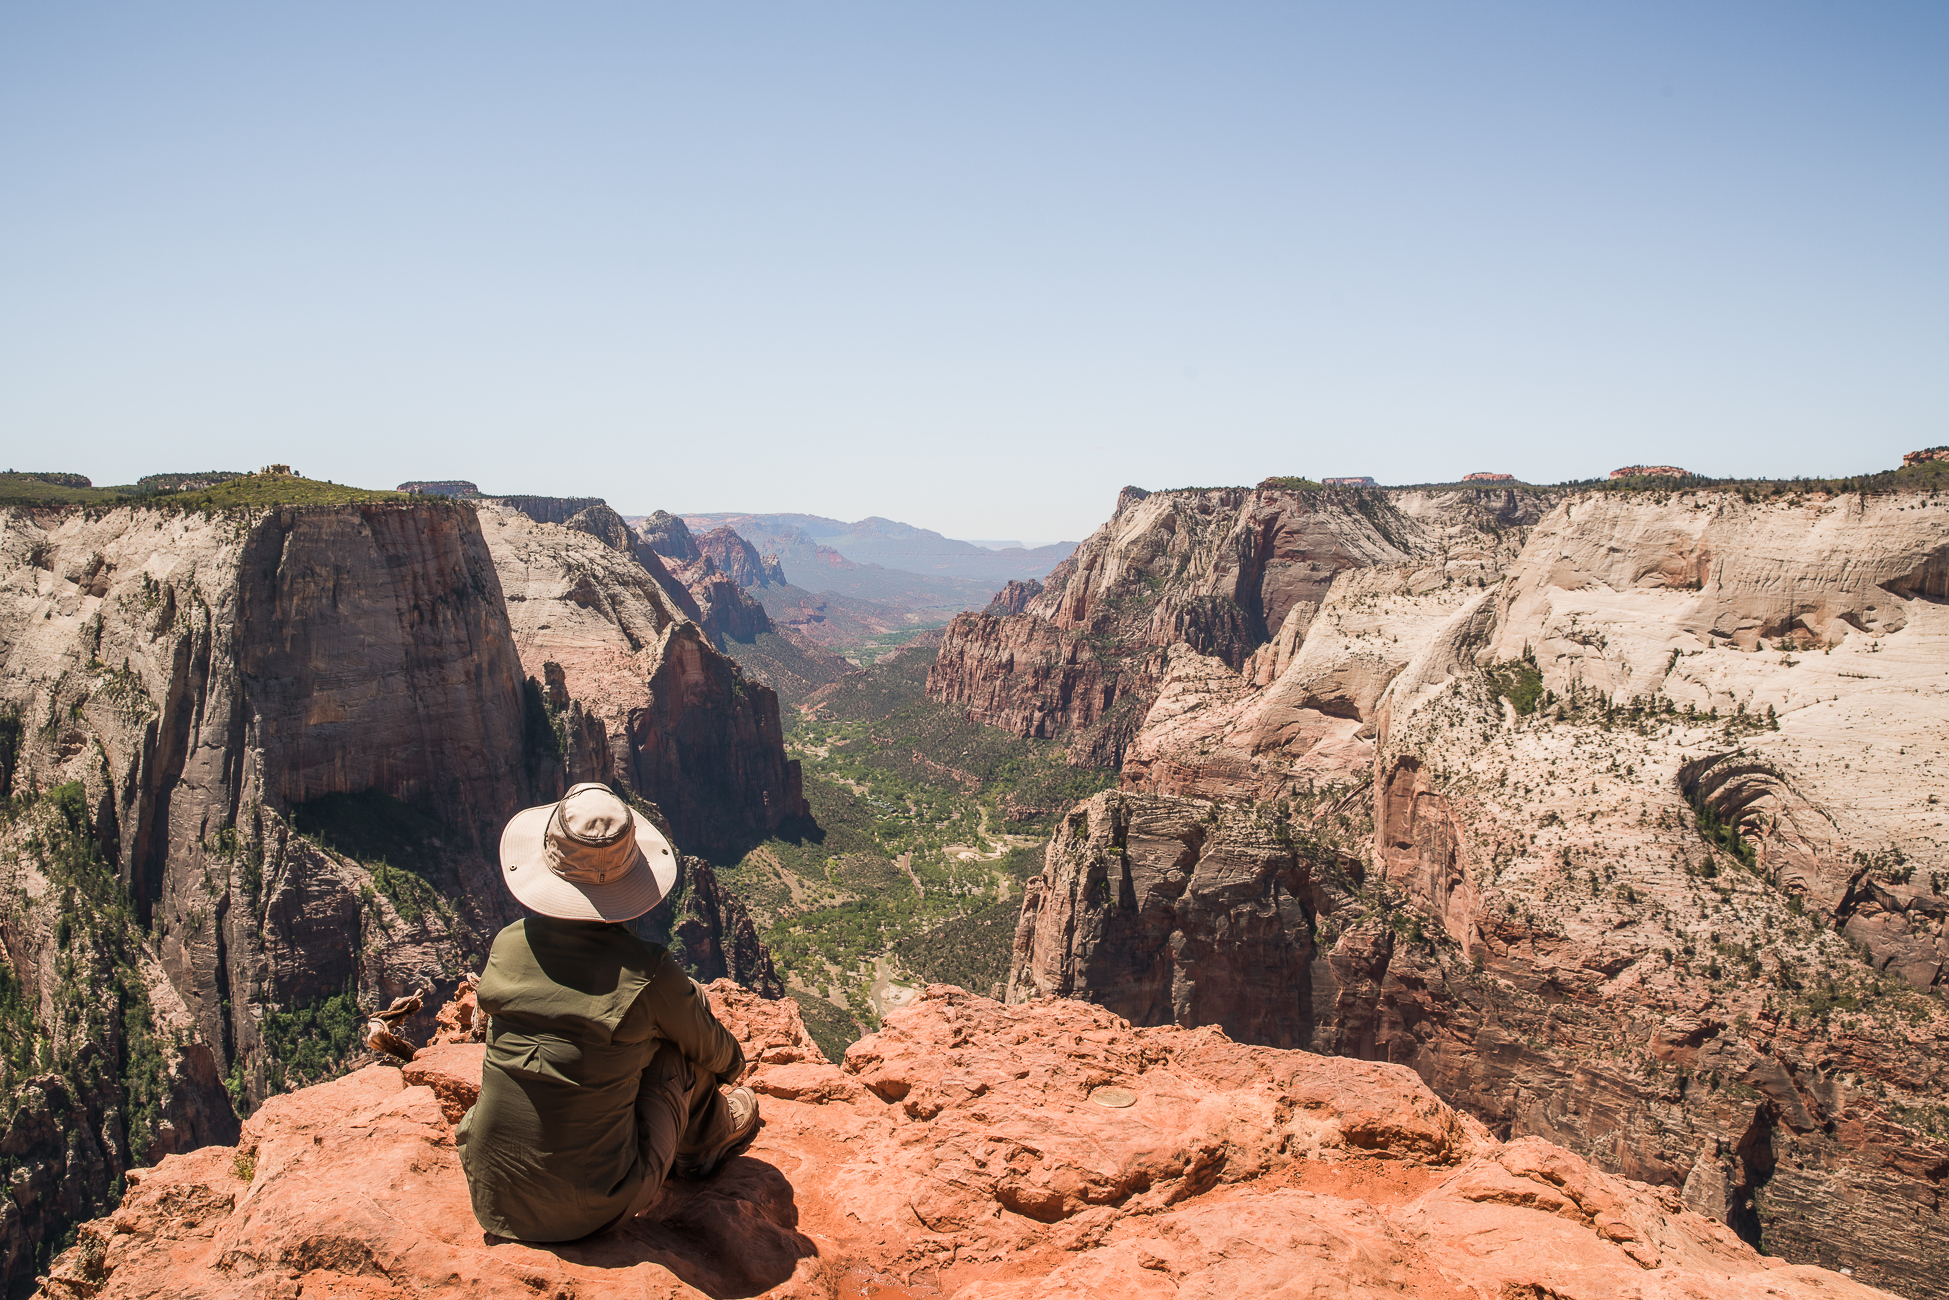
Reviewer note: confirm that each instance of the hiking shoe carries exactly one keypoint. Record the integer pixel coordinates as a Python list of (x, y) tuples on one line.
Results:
[(743, 1105)]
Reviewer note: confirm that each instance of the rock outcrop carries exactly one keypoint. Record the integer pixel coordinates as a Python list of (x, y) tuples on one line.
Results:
[(548, 510), (1625, 841), (670, 537), (968, 1150), (188, 687), (1650, 471), (255, 767), (638, 693), (739, 560), (732, 619), (1220, 571)]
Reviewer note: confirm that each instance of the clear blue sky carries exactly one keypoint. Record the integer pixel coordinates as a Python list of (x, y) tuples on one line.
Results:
[(971, 266)]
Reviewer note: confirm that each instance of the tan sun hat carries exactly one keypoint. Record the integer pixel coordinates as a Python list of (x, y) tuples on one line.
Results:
[(587, 858)]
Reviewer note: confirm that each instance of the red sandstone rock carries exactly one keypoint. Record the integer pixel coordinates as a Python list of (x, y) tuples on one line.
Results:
[(956, 1153), (452, 1071), (460, 1020)]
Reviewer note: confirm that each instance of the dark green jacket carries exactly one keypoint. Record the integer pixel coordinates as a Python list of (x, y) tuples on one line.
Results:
[(577, 1009)]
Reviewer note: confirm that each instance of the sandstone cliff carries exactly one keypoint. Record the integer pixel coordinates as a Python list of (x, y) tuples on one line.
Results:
[(739, 559), (968, 1150), (255, 766), (731, 618), (638, 693), (1220, 571), (188, 684), (1625, 840)]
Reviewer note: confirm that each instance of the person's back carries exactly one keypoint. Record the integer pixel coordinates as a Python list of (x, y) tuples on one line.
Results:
[(603, 1058)]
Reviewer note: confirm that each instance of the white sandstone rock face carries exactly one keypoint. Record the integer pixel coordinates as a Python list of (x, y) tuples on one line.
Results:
[(635, 689), (1214, 733), (1827, 616), (1687, 915)]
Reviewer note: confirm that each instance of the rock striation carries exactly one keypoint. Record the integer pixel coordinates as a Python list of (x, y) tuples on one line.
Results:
[(1623, 840), (637, 693), (968, 1150), (1220, 571)]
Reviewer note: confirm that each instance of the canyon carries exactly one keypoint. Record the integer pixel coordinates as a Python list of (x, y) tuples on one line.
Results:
[(1600, 822), (1609, 814), (1218, 571)]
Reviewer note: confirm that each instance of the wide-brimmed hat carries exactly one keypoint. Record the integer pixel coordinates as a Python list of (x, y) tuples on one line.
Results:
[(586, 858)]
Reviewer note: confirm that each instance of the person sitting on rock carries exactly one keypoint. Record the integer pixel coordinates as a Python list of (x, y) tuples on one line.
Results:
[(604, 1059)]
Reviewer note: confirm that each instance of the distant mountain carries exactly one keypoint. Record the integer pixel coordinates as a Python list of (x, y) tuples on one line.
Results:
[(810, 567), (893, 545)]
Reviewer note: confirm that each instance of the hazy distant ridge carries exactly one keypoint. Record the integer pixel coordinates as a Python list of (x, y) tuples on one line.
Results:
[(894, 545)]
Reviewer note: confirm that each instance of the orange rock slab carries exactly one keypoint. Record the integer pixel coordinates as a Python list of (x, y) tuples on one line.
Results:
[(957, 1153)]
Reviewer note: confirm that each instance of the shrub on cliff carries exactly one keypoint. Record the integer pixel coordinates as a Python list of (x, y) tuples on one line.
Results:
[(257, 491), (1520, 682)]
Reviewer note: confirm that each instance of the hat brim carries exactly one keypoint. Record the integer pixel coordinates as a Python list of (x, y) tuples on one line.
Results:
[(625, 898)]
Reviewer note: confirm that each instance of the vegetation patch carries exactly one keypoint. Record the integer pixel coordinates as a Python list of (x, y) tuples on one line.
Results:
[(971, 951), (833, 1028), (256, 491), (51, 489), (1520, 682), (924, 826), (310, 1044)]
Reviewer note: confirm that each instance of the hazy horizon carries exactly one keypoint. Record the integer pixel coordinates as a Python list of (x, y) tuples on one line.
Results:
[(974, 269)]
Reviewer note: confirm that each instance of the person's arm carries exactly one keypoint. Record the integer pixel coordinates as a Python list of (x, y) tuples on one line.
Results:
[(683, 1015)]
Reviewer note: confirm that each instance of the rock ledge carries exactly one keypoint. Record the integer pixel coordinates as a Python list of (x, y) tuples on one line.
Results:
[(956, 1153)]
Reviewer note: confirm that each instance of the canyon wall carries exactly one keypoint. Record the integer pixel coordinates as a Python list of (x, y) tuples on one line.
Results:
[(1221, 571), (1625, 839), (256, 767), (637, 693), (192, 687)]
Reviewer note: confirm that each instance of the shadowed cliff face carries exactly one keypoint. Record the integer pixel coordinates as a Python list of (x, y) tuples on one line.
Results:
[(375, 653), (1219, 571), (637, 693), (1171, 913), (1680, 906)]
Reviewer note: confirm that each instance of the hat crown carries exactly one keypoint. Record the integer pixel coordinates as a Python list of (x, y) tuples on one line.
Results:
[(592, 814), (591, 837)]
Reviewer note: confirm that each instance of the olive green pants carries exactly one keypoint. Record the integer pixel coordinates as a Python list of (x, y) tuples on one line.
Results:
[(680, 1116)]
